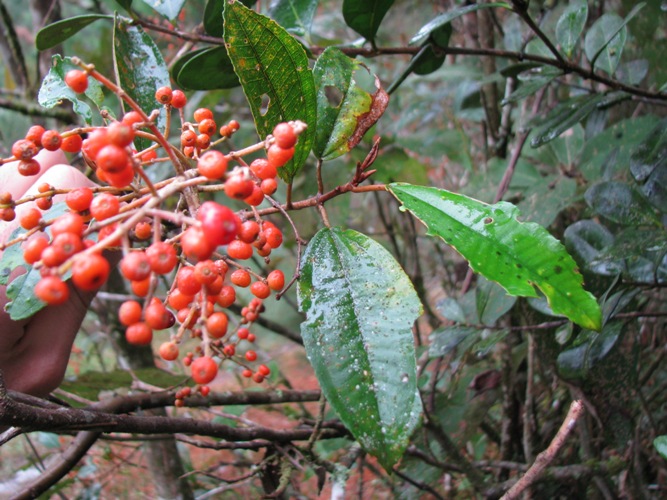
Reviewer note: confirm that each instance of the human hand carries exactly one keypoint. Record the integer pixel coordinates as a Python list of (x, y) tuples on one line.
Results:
[(34, 352)]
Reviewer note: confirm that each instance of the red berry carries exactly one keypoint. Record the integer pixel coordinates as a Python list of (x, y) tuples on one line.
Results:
[(229, 350), (120, 134), (44, 203), (263, 370), (33, 248), (178, 99), (249, 231), (53, 256), (51, 140), (77, 80), (202, 114), (251, 355), (196, 245), (142, 230), (95, 141), (179, 300), (269, 186), (120, 179), (34, 134), (90, 272), (256, 197), (79, 199), (168, 351), (204, 390), (238, 187), (204, 370), (163, 95), (140, 288), (30, 218), (258, 378), (52, 290), (207, 126), (240, 278), (246, 373), (279, 156), (131, 118), (104, 205), (70, 222), (276, 279), (129, 312), (205, 272), (186, 281), (284, 135), (135, 266), (203, 141), (112, 158), (188, 138), (157, 316), (28, 168), (260, 289), (139, 334), (240, 250), (212, 164), (274, 237), (162, 257), (226, 296), (24, 149), (72, 143), (220, 224), (216, 325)]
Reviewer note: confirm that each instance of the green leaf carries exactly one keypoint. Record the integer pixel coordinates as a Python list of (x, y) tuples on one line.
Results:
[(443, 19), (660, 444), (345, 111), (54, 89), (591, 349), (295, 16), (168, 8), (58, 32), (273, 69), (569, 113), (518, 256), (532, 81), (605, 40), (650, 154), (492, 301), (213, 13), (205, 69), (23, 302), (545, 199), (586, 240), (620, 203), (570, 25), (365, 17), (446, 340), (140, 69), (12, 258), (360, 308)]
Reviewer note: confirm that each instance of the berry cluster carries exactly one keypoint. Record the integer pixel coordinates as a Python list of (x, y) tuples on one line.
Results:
[(184, 267)]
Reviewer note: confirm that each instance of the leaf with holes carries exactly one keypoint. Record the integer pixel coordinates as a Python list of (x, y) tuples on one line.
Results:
[(54, 90), (360, 308), (345, 111), (518, 256), (273, 69), (140, 69)]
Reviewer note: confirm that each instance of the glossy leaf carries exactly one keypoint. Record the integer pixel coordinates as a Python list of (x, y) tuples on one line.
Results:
[(518, 256), (360, 308), (446, 340), (140, 69), (591, 349), (58, 32), (620, 203), (569, 113), (273, 69), (54, 90), (605, 40), (345, 111), (213, 13), (205, 69), (443, 19), (295, 16), (168, 8), (586, 240), (365, 17), (570, 25)]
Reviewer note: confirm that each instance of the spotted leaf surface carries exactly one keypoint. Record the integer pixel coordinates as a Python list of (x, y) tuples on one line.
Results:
[(518, 256), (360, 307)]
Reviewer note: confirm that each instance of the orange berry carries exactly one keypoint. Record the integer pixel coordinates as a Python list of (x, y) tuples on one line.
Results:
[(129, 312), (284, 135), (168, 351), (260, 289), (240, 278), (52, 290), (216, 325), (90, 272), (204, 370), (139, 334), (77, 80), (30, 218)]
